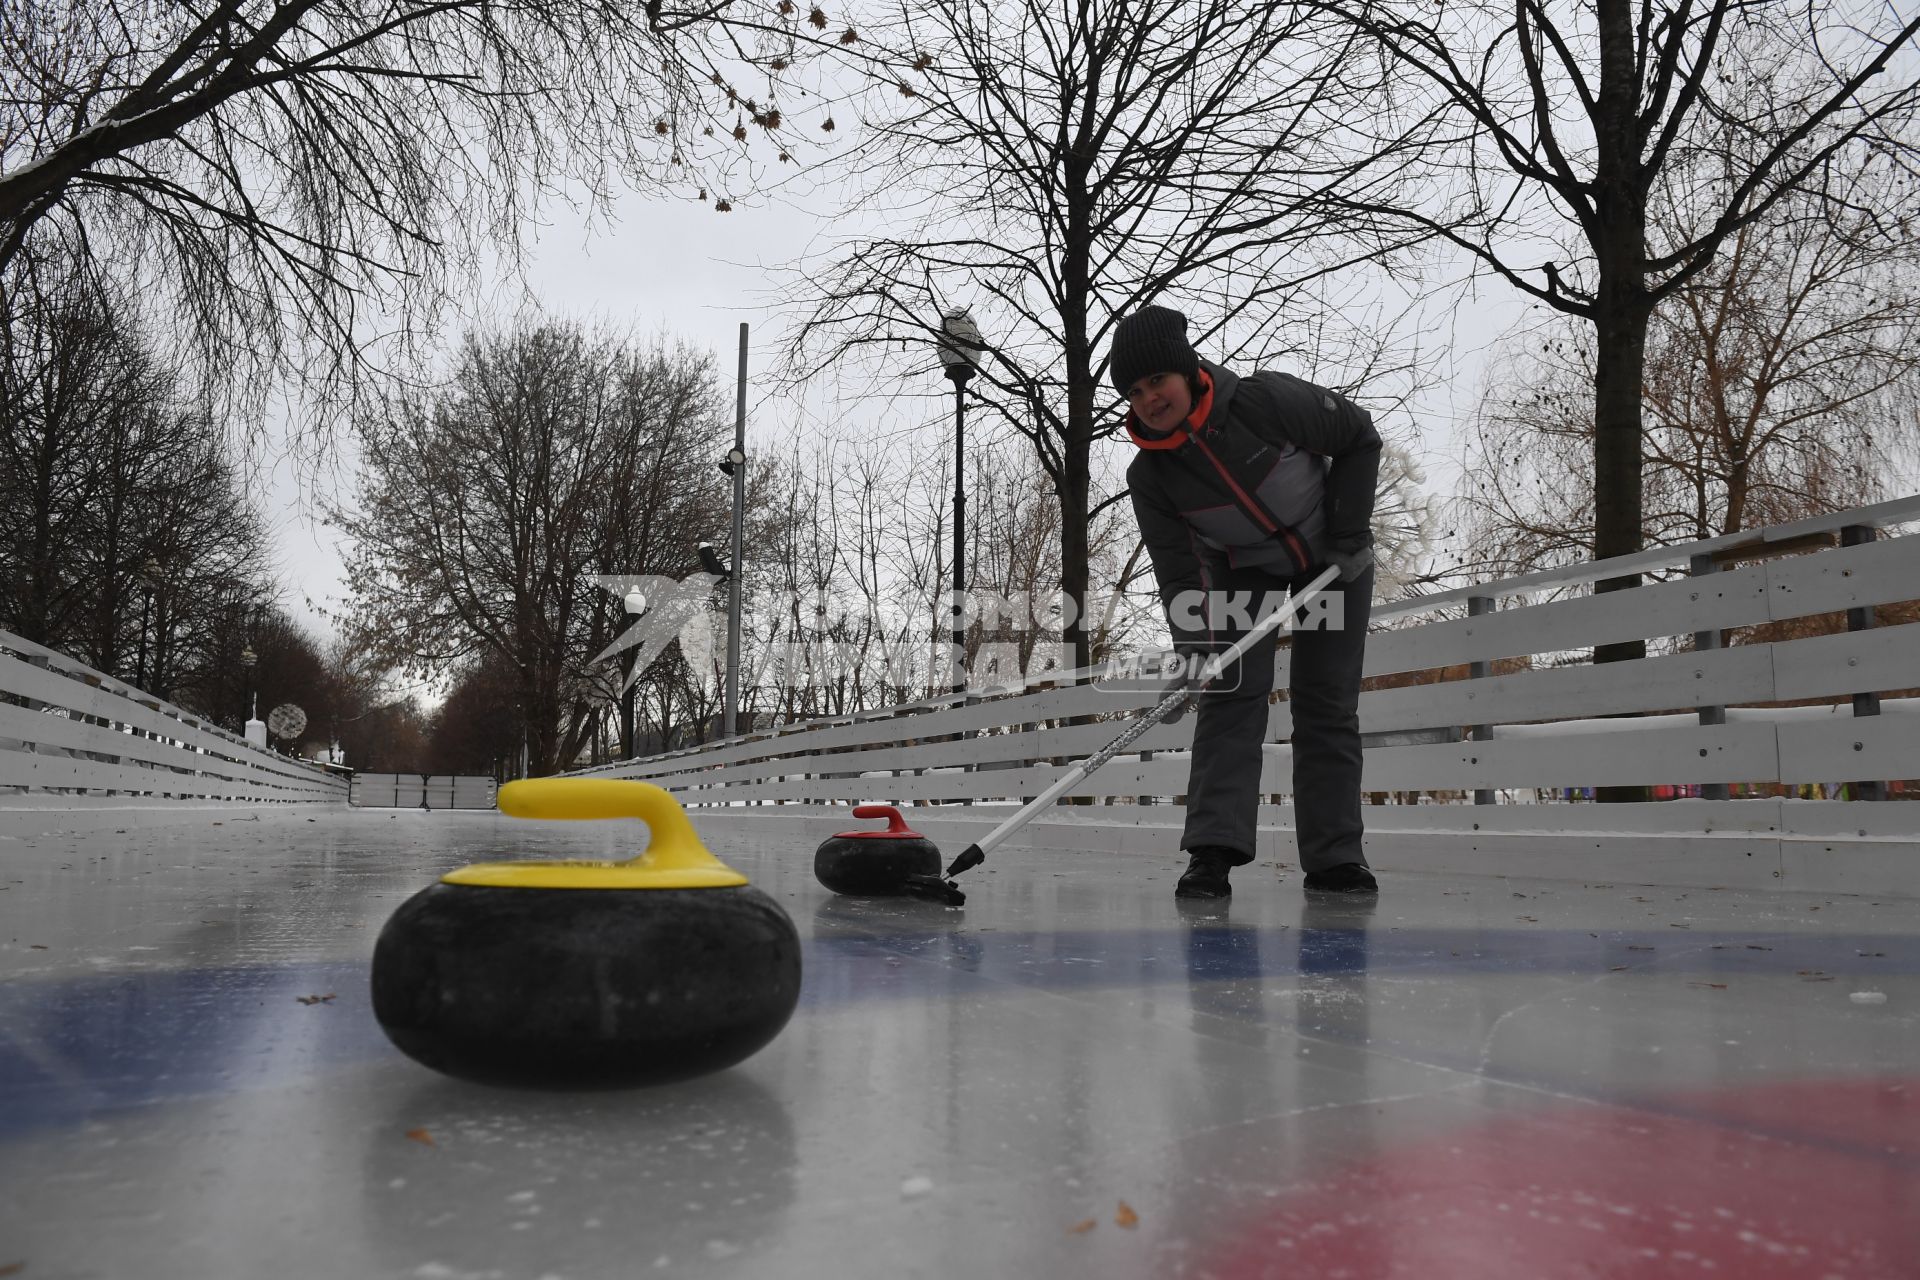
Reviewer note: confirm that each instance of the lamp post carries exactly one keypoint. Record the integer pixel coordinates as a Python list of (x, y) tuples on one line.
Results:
[(256, 729), (247, 660), (960, 342), (736, 467), (636, 604)]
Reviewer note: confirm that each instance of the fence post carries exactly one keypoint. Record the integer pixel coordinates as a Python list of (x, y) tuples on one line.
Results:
[(1698, 567), (34, 704), (1478, 606), (1861, 619)]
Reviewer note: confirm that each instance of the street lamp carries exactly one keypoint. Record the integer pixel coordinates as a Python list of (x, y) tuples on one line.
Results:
[(959, 344), (253, 612), (736, 468), (247, 660), (636, 604)]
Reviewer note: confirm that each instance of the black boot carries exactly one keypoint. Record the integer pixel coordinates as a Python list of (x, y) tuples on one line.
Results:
[(1344, 877), (1206, 874)]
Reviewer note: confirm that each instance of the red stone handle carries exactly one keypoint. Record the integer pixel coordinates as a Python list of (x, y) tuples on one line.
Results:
[(896, 825)]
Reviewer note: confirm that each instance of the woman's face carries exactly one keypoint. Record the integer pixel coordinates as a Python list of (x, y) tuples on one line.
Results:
[(1161, 400)]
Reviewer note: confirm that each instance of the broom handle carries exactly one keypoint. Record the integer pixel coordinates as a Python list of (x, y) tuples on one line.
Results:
[(975, 853)]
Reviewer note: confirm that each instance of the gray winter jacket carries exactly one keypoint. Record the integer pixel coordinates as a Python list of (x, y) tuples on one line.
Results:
[(1272, 445)]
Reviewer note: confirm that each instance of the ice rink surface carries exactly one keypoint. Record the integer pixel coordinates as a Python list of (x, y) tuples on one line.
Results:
[(1073, 1075)]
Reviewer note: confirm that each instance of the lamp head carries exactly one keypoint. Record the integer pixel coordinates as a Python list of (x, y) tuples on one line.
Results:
[(960, 344)]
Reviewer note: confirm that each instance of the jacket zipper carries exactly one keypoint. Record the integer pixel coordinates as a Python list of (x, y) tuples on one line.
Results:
[(1295, 547)]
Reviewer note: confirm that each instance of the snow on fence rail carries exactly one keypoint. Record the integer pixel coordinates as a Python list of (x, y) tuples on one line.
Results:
[(1485, 692), (68, 730)]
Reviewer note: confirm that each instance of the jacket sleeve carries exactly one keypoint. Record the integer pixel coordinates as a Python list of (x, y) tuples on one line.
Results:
[(1177, 566), (1327, 423)]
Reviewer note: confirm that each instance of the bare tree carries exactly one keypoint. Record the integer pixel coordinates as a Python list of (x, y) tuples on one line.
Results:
[(208, 543), (1068, 164), (246, 657), (488, 505), (474, 730), (1575, 120), (1405, 526), (75, 385), (302, 179), (389, 737), (292, 669), (847, 606), (1785, 382), (877, 486), (1780, 382), (121, 513)]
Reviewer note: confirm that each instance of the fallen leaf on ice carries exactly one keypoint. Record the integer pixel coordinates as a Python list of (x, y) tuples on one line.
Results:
[(1081, 1228), (421, 1136), (1124, 1216)]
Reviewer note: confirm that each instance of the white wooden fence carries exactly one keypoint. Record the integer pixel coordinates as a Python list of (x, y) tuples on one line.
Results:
[(1696, 713), (69, 732)]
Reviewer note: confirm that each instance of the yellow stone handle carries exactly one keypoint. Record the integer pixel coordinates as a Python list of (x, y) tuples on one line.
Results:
[(673, 847)]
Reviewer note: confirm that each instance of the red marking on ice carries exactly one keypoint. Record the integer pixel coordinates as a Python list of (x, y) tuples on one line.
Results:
[(1773, 1182)]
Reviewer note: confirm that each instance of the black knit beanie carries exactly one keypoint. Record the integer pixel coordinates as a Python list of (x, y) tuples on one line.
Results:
[(1151, 340)]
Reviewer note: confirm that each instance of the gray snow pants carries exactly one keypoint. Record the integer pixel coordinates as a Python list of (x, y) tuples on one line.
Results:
[(1223, 786)]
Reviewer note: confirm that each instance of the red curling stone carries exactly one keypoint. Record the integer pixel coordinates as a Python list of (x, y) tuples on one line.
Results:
[(875, 863)]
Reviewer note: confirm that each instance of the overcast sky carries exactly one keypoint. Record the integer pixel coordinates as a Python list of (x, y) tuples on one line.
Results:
[(666, 264), (678, 265)]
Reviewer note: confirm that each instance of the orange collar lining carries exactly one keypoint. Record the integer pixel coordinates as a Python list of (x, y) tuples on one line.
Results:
[(1143, 436)]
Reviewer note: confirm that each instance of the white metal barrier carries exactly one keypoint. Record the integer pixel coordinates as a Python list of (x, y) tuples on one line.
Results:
[(66, 730), (421, 791)]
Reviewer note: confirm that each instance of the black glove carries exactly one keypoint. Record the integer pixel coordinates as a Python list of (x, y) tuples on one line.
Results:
[(1195, 671), (1351, 562)]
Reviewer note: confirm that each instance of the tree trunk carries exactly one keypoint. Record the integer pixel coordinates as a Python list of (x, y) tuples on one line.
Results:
[(1739, 484), (105, 649), (35, 622), (1076, 448), (1074, 533), (1621, 311), (1617, 446)]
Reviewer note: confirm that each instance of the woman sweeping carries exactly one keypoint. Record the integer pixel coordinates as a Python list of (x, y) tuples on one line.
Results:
[(1243, 487)]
